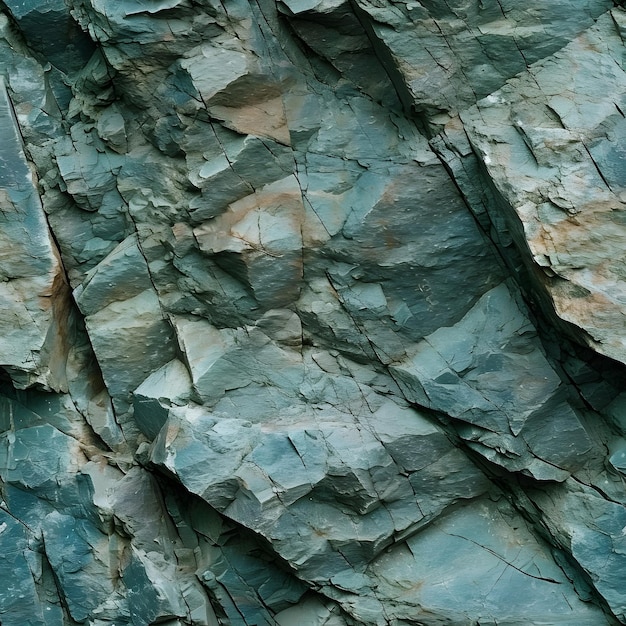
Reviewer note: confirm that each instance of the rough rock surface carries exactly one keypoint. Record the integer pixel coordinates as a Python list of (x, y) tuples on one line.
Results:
[(312, 313)]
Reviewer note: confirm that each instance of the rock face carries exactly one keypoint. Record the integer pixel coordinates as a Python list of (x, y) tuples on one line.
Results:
[(312, 313)]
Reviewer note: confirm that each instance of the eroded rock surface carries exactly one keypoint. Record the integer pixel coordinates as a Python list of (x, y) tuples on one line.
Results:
[(312, 313)]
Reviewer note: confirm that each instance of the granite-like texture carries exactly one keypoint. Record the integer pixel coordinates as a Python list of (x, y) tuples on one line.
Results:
[(312, 313)]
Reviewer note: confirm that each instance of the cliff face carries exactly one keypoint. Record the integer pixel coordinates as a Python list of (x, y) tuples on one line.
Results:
[(312, 312)]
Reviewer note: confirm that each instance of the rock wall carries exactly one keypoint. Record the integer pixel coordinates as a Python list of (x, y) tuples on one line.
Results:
[(312, 312)]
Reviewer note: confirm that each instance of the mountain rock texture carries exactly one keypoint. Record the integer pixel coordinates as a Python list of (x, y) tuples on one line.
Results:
[(313, 312)]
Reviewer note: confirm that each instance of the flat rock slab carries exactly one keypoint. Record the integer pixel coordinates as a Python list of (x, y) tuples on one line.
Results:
[(463, 567)]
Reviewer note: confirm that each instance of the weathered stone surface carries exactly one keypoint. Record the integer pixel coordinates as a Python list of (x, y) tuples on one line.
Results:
[(169, 385), (32, 289), (305, 488), (124, 320), (489, 374), (72, 554), (343, 339), (556, 168), (485, 542), (588, 526), (467, 50)]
